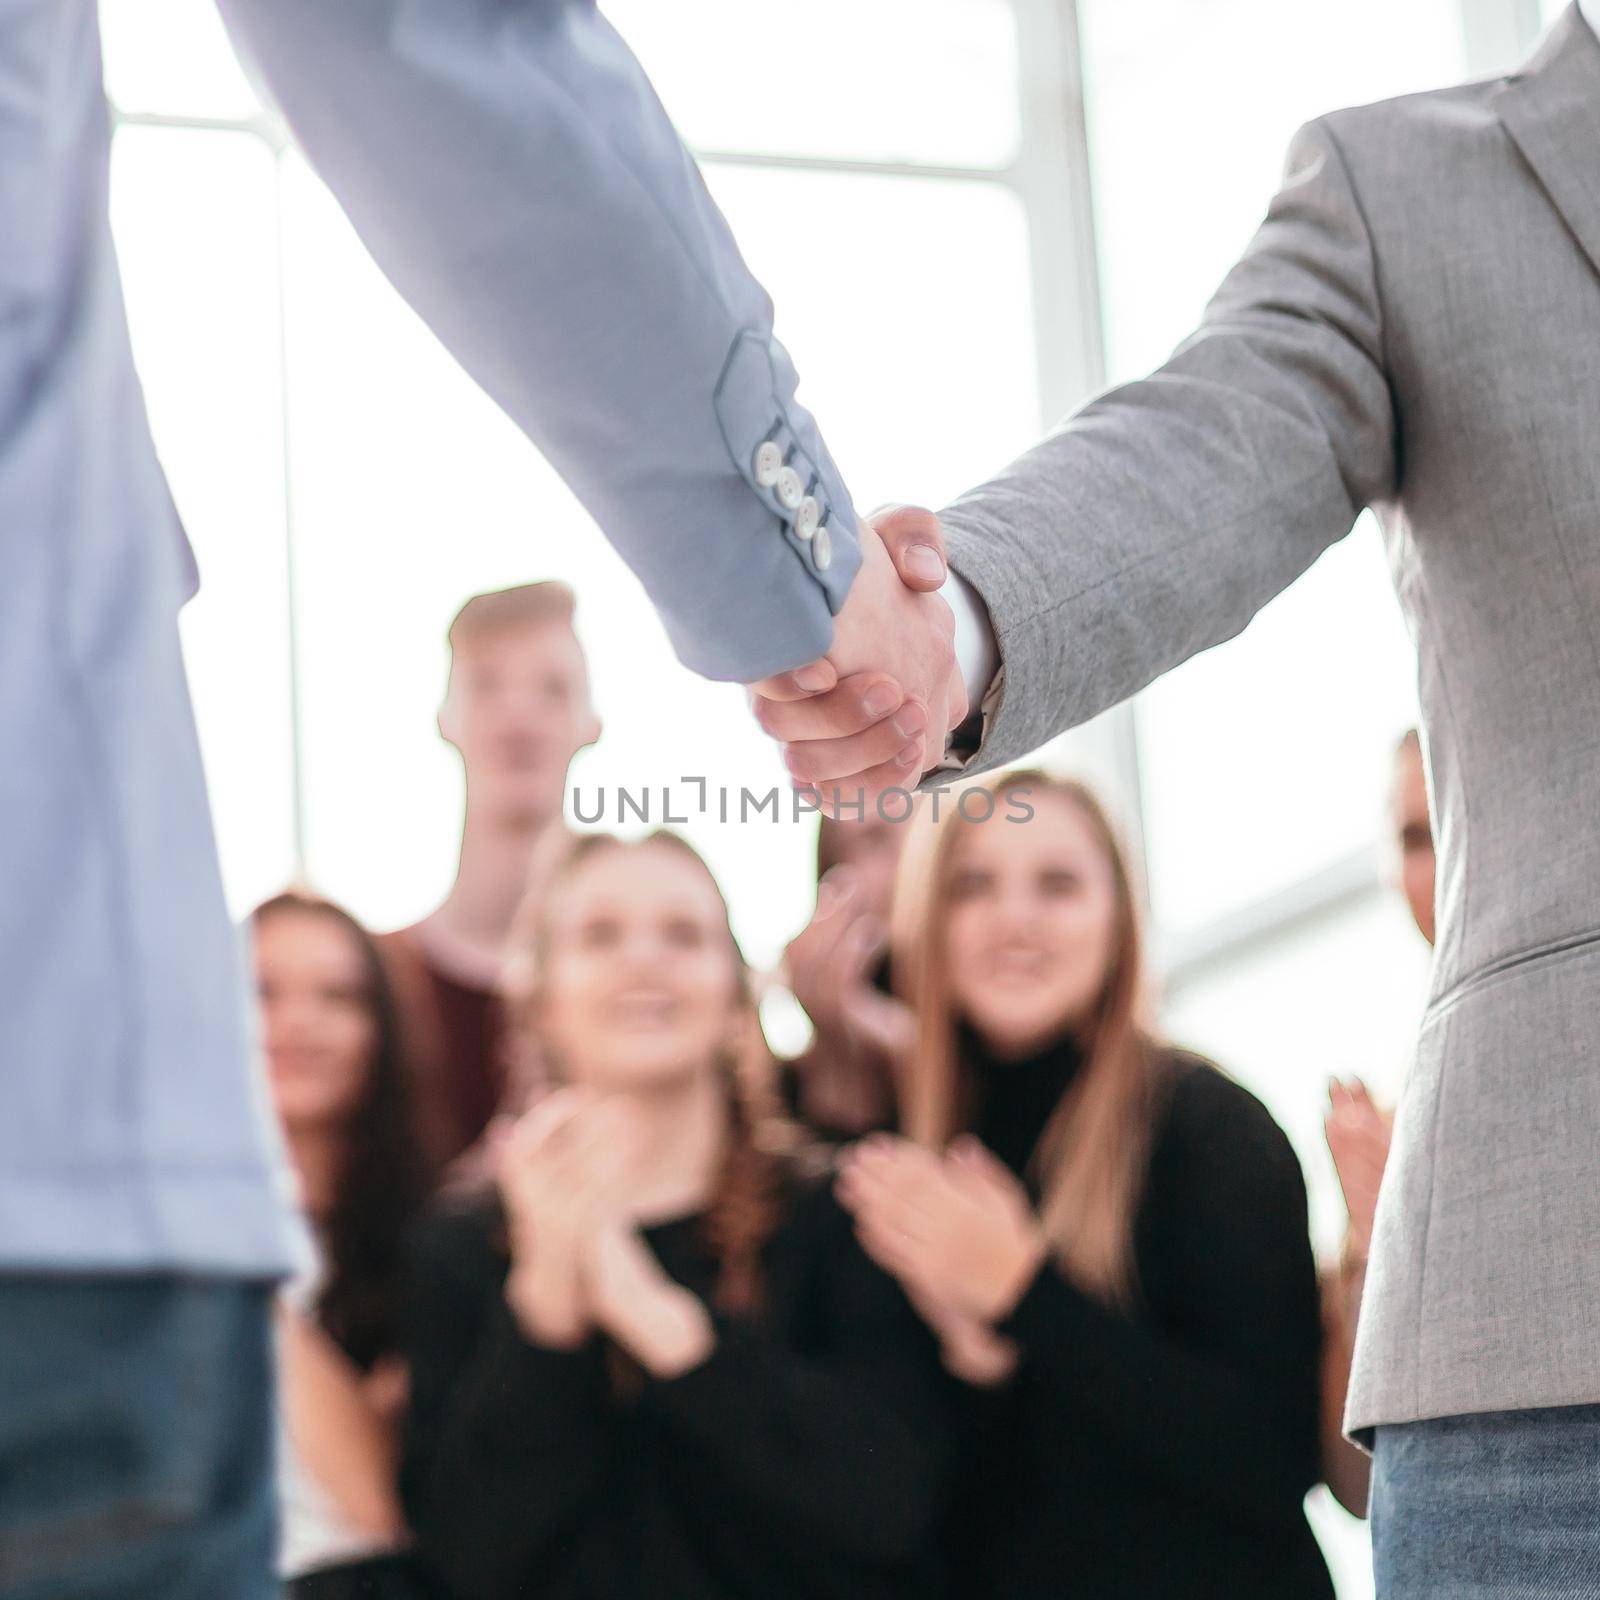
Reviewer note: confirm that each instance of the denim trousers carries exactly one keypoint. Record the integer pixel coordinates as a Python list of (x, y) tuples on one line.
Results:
[(1502, 1506), (136, 1442)]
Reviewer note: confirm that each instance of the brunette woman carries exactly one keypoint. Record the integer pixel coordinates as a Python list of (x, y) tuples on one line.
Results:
[(341, 1089), (1108, 1234), (656, 1362)]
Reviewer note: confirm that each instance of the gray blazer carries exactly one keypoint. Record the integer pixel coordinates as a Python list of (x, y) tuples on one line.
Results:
[(1415, 328)]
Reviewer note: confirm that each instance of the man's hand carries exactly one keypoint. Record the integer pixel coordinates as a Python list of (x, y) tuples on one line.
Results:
[(876, 712)]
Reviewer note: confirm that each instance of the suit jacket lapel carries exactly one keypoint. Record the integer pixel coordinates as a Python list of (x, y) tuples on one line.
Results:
[(1551, 109)]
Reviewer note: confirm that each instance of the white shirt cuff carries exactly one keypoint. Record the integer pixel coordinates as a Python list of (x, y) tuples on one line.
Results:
[(977, 654)]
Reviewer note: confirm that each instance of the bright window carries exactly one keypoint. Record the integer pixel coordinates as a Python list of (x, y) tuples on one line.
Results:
[(407, 490)]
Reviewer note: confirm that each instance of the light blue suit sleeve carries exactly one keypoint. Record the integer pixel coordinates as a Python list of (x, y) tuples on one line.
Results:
[(512, 171)]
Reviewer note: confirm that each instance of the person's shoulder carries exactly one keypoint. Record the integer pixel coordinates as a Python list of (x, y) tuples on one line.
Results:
[(1411, 138), (1207, 1113), (810, 1210), (401, 942), (404, 961), (1199, 1091), (1449, 108), (459, 1239)]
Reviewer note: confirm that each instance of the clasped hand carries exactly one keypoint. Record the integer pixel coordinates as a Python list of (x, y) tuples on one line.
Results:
[(877, 711)]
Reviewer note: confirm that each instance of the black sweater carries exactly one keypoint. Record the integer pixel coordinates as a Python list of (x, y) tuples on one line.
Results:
[(806, 1457), (1162, 1452)]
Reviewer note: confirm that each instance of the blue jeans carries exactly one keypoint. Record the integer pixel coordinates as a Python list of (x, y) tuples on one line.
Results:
[(1503, 1506), (136, 1439)]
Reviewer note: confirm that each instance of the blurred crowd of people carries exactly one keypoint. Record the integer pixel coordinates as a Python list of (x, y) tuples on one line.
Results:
[(991, 1291)]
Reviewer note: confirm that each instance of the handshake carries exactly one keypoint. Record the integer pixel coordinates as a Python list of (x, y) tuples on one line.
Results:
[(877, 711)]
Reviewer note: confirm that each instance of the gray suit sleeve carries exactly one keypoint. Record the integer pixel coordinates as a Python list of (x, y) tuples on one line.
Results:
[(1160, 517), (512, 171)]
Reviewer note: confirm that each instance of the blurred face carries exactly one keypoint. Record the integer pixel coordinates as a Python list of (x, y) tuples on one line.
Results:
[(1414, 834), (518, 711), (1028, 937), (640, 987), (871, 849), (316, 1018)]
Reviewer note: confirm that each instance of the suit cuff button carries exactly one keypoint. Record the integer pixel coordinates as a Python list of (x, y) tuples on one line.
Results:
[(767, 465)]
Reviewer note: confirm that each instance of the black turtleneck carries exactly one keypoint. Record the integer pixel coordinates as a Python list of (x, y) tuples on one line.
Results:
[(1014, 1097), (1163, 1449), (805, 1459)]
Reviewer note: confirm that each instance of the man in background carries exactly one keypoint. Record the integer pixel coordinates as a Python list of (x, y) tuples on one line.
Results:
[(517, 709)]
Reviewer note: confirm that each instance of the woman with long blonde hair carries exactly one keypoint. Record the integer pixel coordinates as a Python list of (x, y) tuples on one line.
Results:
[(1108, 1235), (654, 1361)]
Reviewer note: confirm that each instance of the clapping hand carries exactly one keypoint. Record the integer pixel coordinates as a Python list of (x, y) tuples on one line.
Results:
[(969, 1346), (665, 1327), (861, 1033), (956, 1230), (562, 1172), (1358, 1136), (579, 1263)]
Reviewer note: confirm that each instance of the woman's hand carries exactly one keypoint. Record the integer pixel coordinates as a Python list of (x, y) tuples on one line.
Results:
[(562, 1172), (656, 1320), (971, 1349), (957, 1231), (1358, 1136)]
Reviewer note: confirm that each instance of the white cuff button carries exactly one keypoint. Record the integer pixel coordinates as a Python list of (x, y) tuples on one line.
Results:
[(807, 517), (791, 491), (822, 549)]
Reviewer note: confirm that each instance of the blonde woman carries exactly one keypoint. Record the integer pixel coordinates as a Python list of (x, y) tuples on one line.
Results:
[(1108, 1235), (655, 1361)]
